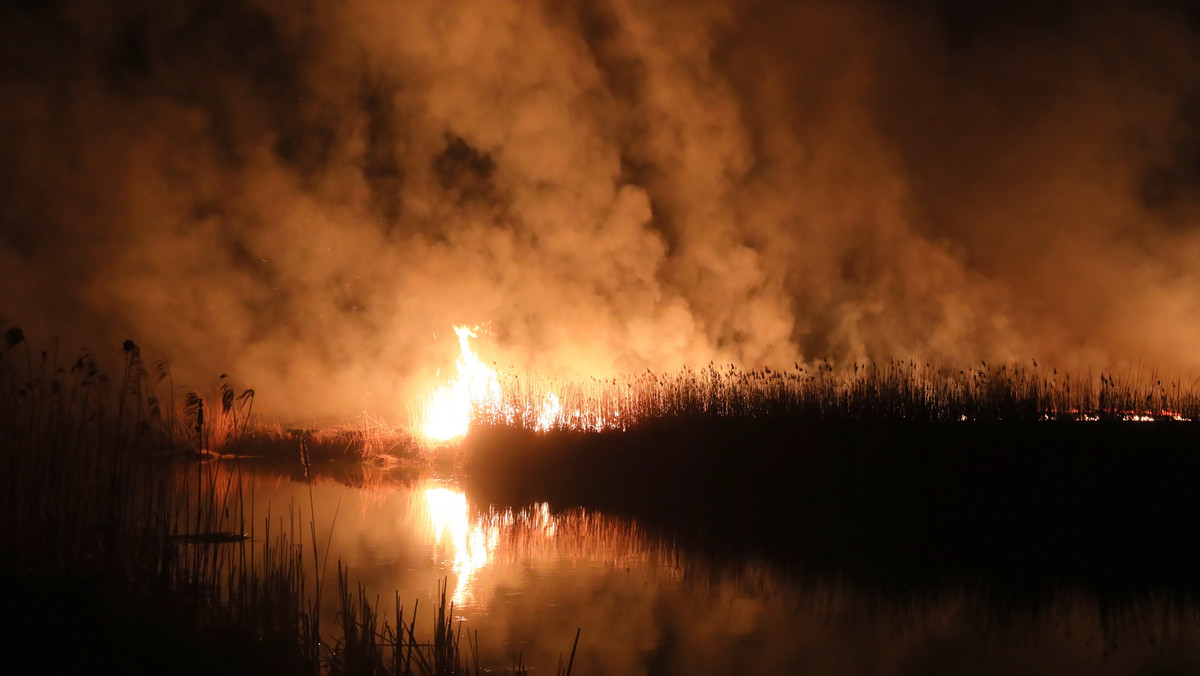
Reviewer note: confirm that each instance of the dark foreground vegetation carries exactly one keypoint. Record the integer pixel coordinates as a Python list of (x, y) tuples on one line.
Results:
[(120, 552), (900, 475)]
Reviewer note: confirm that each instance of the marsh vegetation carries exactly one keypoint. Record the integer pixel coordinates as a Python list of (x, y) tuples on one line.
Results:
[(890, 392), (125, 508), (122, 540)]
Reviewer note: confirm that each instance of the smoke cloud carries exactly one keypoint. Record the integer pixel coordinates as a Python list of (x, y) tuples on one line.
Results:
[(309, 195)]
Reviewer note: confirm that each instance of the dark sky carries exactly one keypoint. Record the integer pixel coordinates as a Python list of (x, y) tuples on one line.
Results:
[(308, 194)]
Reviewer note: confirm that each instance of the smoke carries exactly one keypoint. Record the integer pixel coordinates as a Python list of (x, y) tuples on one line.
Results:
[(309, 195)]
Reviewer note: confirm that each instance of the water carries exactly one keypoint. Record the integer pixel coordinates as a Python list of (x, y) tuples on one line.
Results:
[(526, 580)]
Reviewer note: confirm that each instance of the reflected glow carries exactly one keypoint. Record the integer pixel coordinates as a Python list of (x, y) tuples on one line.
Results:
[(471, 542), (552, 572)]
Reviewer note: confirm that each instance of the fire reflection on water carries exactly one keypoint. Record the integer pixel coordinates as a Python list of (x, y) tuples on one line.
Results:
[(526, 579), (471, 542)]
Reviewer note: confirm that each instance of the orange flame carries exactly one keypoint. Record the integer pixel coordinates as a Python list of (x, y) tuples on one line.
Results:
[(447, 409), (551, 410)]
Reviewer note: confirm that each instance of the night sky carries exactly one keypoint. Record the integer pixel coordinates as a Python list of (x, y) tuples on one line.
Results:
[(308, 195)]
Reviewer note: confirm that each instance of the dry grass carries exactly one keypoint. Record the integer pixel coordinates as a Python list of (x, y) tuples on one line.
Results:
[(896, 391)]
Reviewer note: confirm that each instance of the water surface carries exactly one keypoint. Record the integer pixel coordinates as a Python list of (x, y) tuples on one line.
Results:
[(527, 579)]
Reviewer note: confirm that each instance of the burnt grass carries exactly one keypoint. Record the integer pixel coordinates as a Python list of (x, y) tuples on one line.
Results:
[(1108, 506)]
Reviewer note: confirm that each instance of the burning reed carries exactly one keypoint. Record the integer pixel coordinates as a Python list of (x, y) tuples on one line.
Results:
[(896, 391), (895, 471)]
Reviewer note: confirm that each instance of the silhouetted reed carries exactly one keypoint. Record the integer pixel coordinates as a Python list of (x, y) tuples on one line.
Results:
[(895, 391), (151, 552), (1010, 472), (370, 443)]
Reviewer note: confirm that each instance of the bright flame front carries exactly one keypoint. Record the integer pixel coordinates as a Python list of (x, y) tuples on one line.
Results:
[(447, 410)]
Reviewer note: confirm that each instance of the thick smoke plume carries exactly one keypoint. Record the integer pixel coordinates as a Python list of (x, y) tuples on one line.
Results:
[(309, 195)]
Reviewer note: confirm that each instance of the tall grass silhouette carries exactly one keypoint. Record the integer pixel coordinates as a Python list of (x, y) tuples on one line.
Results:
[(145, 559), (895, 391)]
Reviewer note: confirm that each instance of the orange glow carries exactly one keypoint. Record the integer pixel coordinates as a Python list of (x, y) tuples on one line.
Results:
[(481, 396), (447, 409), (551, 410), (471, 543), (446, 412)]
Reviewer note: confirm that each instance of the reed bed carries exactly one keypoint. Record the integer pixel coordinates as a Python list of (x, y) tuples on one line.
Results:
[(1019, 474), (117, 541), (895, 391)]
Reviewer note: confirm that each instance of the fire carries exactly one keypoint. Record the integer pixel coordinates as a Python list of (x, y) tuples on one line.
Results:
[(477, 395), (447, 409), (551, 410)]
